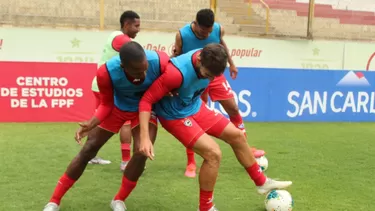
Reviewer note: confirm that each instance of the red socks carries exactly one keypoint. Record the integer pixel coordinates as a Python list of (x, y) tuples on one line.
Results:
[(125, 151), (237, 121), (126, 188), (205, 200), (63, 185), (190, 156), (256, 174)]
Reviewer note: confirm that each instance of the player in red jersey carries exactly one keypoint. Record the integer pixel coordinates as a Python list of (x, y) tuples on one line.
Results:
[(122, 81), (190, 120), (130, 26), (195, 35)]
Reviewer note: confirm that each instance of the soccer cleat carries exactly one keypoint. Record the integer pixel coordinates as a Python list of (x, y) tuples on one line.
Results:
[(271, 184), (258, 152), (212, 209), (100, 161), (118, 205), (123, 165), (51, 207), (190, 170)]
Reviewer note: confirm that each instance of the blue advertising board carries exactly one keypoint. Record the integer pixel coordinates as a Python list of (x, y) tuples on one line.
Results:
[(267, 95)]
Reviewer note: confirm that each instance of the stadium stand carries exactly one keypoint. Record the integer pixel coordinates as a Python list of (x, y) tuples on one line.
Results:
[(343, 19), (156, 14), (338, 19)]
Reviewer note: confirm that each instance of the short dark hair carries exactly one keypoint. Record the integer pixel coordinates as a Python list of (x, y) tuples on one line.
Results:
[(205, 17), (214, 57), (128, 15), (131, 52)]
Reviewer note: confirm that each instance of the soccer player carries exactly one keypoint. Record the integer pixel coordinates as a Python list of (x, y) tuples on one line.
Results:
[(130, 26), (122, 81), (195, 35), (191, 121)]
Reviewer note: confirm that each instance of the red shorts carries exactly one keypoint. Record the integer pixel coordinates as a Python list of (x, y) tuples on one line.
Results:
[(219, 89), (117, 118), (97, 103), (189, 129)]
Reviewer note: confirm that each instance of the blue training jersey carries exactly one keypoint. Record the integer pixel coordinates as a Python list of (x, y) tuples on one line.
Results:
[(126, 94), (188, 101), (191, 42)]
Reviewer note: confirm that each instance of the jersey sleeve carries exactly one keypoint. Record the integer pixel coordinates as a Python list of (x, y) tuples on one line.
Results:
[(119, 41), (106, 93), (163, 60), (170, 80)]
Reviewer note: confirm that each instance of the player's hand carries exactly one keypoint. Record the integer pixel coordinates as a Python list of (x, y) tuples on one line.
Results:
[(82, 131), (147, 149), (233, 71)]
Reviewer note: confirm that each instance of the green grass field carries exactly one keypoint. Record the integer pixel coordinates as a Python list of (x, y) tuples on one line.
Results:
[(331, 165)]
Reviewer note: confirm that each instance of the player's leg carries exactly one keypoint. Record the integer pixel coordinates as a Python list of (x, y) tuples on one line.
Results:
[(96, 159), (189, 133), (218, 126), (220, 91), (126, 140), (135, 166), (95, 140), (191, 166), (210, 151)]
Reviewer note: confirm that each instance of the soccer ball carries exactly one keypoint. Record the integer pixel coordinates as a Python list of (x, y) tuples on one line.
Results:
[(279, 200), (262, 162)]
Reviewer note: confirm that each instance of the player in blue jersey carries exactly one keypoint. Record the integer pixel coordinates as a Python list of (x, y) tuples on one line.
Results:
[(191, 121), (204, 30), (122, 81)]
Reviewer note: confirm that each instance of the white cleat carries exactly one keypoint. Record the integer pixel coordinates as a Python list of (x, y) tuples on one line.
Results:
[(118, 205), (272, 185), (100, 161), (51, 207), (212, 209), (123, 165)]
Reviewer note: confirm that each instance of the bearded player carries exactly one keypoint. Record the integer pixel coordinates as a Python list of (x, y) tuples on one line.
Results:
[(195, 35), (192, 122), (130, 26)]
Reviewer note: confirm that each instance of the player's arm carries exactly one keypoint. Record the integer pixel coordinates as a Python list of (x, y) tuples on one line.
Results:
[(119, 41), (232, 67), (177, 45), (106, 95), (170, 80)]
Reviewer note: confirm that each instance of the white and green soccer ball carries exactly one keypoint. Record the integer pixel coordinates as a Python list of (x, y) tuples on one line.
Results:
[(279, 200), (262, 162)]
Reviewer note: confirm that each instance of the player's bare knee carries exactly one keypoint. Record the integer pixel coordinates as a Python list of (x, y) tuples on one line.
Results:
[(137, 154), (125, 138), (237, 137), (88, 151), (213, 156), (136, 148), (139, 157)]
